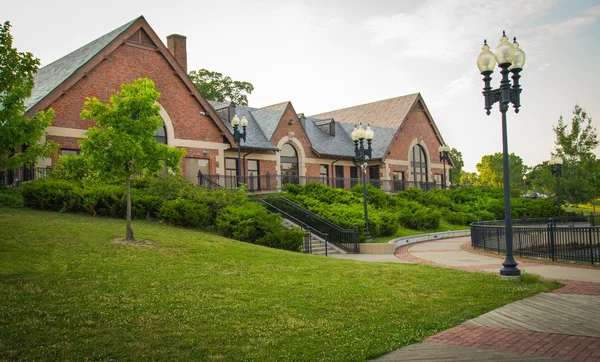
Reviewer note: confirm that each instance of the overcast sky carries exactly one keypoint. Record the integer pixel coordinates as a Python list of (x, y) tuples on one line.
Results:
[(325, 55)]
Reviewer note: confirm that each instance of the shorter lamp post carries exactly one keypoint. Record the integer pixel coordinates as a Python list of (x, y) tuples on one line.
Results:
[(359, 134), (444, 157), (524, 185), (556, 169), (238, 136)]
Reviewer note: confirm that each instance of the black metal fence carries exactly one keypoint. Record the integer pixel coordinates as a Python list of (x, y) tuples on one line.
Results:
[(346, 239), (15, 177), (276, 183), (567, 238)]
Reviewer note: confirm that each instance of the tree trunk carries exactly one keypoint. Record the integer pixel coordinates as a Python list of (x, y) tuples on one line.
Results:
[(129, 230)]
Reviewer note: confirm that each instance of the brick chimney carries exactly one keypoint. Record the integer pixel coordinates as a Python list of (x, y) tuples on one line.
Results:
[(177, 47)]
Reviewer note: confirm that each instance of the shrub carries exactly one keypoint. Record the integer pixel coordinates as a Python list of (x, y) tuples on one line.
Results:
[(50, 194), (188, 213), (384, 223), (71, 168), (459, 218), (216, 200), (103, 200), (376, 197), (11, 197), (168, 187), (421, 219), (253, 224)]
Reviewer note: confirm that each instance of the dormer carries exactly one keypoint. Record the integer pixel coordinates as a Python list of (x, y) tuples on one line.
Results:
[(327, 126)]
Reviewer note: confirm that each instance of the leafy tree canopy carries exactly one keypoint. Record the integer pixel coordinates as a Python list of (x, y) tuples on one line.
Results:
[(216, 87), (16, 130), (575, 143), (123, 143), (491, 170), (457, 159)]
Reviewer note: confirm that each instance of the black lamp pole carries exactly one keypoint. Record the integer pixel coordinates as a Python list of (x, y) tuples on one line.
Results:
[(556, 169), (510, 59), (238, 136), (444, 157), (358, 136)]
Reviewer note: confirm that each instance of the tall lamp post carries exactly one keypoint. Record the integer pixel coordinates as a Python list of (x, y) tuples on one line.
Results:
[(510, 59), (524, 185), (556, 169), (359, 134), (238, 136), (444, 157)]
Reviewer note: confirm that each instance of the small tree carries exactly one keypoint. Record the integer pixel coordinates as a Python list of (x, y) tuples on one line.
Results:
[(458, 165), (575, 144), (17, 130), (124, 143), (491, 171), (216, 87)]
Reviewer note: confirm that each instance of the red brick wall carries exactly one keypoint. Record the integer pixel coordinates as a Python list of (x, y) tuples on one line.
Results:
[(124, 65), (300, 136)]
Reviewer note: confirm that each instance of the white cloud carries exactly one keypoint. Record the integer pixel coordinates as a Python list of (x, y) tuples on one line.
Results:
[(544, 67), (593, 11), (464, 84), (445, 30)]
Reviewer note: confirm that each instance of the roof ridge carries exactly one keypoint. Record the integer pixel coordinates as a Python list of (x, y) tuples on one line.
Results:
[(276, 104), (124, 26), (369, 103)]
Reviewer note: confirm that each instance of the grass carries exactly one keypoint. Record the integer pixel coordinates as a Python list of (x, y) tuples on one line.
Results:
[(587, 208), (403, 232), (68, 293)]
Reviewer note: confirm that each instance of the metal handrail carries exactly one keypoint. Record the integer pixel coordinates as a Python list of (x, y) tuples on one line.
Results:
[(346, 239)]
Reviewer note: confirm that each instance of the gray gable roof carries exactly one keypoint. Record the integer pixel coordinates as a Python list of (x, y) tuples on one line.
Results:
[(326, 144), (269, 117), (381, 141), (52, 75), (254, 134)]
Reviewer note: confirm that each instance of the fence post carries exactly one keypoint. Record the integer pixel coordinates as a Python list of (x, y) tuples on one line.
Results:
[(199, 177), (498, 240), (326, 242), (356, 247), (551, 229), (591, 246), (307, 241)]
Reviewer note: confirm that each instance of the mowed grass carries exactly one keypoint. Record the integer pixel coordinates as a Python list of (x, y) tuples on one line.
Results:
[(68, 293)]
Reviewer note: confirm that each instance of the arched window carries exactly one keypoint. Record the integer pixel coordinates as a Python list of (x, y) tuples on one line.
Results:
[(161, 135), (419, 164), (289, 164)]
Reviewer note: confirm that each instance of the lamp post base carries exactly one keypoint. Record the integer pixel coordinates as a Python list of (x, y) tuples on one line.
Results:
[(510, 267)]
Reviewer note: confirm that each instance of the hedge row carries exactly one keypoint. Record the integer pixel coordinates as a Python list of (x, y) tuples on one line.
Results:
[(173, 200)]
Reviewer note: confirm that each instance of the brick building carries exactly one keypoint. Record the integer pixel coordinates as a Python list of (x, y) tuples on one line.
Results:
[(282, 145)]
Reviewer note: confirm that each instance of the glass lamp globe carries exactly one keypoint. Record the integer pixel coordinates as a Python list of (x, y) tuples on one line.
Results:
[(486, 60), (505, 52), (519, 59)]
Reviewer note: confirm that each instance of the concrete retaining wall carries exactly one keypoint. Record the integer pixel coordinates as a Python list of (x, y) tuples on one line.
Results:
[(427, 237)]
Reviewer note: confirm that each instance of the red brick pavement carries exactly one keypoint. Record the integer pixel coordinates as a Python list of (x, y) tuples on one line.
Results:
[(580, 288), (567, 347)]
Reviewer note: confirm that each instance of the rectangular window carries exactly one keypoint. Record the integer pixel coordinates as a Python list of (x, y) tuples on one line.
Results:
[(353, 176), (339, 177), (398, 181), (69, 151), (231, 173), (324, 173), (374, 176), (253, 175)]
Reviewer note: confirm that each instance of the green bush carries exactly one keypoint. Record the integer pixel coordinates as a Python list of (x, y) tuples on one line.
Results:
[(253, 224), (188, 213), (103, 200), (71, 168), (168, 187), (459, 218), (216, 200), (421, 219), (11, 197), (50, 194)]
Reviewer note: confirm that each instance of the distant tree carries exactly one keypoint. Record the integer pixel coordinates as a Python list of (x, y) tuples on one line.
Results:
[(123, 143), (468, 178), (458, 165), (491, 171), (216, 87), (20, 136), (539, 179), (575, 143)]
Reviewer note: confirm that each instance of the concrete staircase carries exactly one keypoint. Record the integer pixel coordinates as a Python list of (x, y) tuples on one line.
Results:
[(317, 243)]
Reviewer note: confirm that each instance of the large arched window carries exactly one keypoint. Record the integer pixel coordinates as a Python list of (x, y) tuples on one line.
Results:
[(289, 164), (161, 135), (419, 164)]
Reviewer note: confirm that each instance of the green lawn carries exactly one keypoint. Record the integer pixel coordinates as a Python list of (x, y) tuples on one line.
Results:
[(68, 293)]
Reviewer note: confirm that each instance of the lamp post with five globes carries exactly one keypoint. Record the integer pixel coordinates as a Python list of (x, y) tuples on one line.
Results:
[(238, 136), (510, 59), (359, 134)]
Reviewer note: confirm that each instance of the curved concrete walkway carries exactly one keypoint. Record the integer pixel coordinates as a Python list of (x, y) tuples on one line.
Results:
[(560, 326)]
